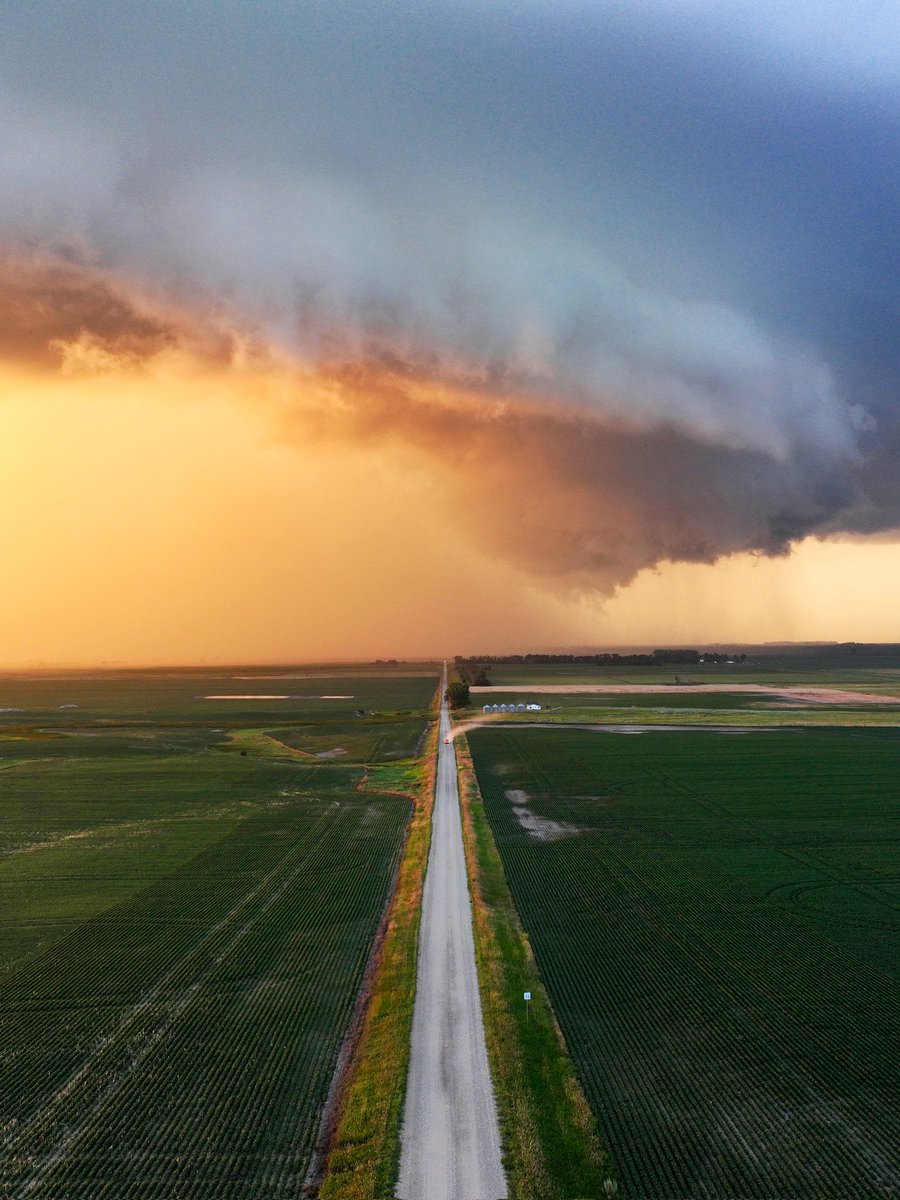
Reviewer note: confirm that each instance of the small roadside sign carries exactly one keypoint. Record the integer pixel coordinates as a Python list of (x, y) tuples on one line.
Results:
[(527, 995)]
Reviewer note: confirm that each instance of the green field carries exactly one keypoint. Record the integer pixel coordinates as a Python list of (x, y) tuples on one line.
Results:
[(185, 917), (717, 920), (369, 741), (181, 697), (638, 717), (662, 701), (869, 669)]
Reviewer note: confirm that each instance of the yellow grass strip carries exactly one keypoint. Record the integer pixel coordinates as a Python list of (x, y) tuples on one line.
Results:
[(364, 1157), (259, 743)]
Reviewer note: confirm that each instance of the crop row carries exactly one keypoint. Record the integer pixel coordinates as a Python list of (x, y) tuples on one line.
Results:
[(729, 1046), (183, 1043)]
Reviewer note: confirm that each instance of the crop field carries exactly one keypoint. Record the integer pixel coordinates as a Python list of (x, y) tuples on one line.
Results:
[(820, 666), (373, 741), (717, 920), (663, 701), (195, 698), (678, 703), (637, 718), (183, 929)]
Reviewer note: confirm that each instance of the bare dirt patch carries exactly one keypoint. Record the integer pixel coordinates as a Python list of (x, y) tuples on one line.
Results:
[(816, 695), (542, 828)]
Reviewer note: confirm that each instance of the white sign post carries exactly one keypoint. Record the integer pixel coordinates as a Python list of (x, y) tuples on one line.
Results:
[(527, 996)]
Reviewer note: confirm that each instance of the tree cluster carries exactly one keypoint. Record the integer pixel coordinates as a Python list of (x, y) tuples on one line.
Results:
[(472, 673), (457, 694)]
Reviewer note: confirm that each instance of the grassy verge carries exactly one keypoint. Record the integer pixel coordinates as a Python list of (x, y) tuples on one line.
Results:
[(365, 1151), (750, 718), (552, 1148)]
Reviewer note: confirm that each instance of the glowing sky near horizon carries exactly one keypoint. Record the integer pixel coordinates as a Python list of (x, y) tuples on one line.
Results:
[(353, 330)]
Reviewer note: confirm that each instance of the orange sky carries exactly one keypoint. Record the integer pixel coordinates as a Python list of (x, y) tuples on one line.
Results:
[(155, 518)]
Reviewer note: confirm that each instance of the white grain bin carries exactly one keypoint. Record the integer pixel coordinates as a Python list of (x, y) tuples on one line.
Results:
[(520, 708), (487, 708), (503, 708), (495, 708)]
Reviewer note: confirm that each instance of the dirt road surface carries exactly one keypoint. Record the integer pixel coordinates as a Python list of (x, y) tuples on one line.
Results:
[(450, 1140)]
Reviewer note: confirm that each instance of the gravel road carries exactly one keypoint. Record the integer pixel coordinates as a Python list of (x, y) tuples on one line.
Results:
[(450, 1141)]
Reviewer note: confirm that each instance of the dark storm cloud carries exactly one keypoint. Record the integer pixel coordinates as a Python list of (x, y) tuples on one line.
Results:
[(45, 301), (672, 228), (55, 309), (577, 498)]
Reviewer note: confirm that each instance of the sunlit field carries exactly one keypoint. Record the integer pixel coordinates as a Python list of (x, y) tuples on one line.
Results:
[(190, 889)]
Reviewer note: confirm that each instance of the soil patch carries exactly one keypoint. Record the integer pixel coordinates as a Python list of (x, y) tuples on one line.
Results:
[(541, 828)]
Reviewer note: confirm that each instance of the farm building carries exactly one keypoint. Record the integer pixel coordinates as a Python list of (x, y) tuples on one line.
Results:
[(519, 707), (487, 708), (495, 708)]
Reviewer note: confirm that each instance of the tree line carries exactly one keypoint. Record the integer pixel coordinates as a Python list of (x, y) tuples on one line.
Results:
[(473, 668)]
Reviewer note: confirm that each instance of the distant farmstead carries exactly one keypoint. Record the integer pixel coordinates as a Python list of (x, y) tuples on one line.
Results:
[(487, 709)]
